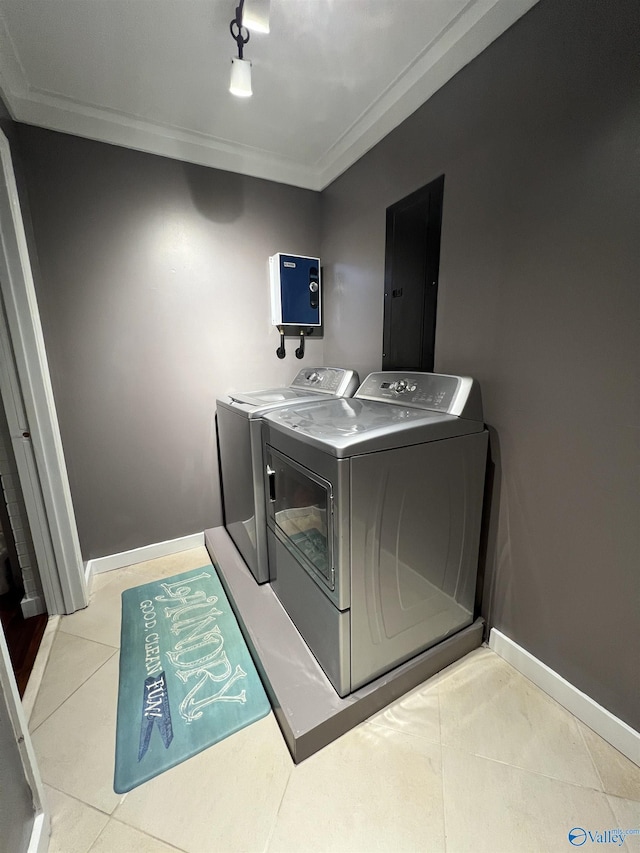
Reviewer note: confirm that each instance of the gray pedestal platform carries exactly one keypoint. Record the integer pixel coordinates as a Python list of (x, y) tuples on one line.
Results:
[(308, 709)]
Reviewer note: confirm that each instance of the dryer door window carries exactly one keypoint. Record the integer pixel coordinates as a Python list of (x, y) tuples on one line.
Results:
[(300, 507)]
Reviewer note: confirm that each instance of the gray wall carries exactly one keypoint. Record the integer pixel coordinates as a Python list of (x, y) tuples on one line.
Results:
[(153, 291), (539, 299)]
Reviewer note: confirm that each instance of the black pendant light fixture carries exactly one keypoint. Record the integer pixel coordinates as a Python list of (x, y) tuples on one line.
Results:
[(249, 13)]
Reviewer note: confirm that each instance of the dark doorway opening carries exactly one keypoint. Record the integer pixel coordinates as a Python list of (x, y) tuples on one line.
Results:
[(412, 262), (23, 637), (22, 634)]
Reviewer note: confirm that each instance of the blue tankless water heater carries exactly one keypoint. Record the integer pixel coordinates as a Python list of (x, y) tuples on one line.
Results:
[(295, 290)]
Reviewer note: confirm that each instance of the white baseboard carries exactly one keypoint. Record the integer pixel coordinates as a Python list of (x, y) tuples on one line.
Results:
[(33, 606), (140, 555), (620, 735)]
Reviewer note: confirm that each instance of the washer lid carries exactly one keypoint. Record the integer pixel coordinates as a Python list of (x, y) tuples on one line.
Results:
[(269, 396), (255, 404), (311, 383), (349, 427)]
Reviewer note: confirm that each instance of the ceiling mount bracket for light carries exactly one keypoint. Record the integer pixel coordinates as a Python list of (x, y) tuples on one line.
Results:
[(240, 83), (242, 34)]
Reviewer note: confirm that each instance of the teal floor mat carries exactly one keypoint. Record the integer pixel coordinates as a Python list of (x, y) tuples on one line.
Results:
[(187, 679)]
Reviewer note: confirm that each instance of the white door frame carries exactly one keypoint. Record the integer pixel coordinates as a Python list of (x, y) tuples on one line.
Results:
[(25, 386), (41, 829)]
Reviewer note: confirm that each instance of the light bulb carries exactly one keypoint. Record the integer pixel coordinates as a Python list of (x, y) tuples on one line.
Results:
[(240, 84), (255, 15)]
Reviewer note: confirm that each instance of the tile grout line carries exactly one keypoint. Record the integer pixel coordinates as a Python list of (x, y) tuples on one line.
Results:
[(277, 814), (73, 693), (622, 797), (167, 844), (533, 772), (92, 843), (77, 799), (98, 836), (61, 630), (591, 758)]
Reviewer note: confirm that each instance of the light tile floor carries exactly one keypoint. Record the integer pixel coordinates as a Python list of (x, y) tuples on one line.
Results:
[(476, 759)]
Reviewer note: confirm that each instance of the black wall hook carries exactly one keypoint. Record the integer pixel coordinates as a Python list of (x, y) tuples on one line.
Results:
[(281, 351), (300, 350)]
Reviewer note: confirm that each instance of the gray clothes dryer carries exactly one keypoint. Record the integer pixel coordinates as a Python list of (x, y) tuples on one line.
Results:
[(374, 507), (240, 446)]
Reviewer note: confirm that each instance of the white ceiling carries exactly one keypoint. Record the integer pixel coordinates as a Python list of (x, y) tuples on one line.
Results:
[(329, 81)]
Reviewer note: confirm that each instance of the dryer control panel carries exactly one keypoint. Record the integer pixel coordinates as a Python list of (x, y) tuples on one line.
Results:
[(438, 392)]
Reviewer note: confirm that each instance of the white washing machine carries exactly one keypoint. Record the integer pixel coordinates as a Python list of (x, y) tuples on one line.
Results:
[(374, 508), (240, 447)]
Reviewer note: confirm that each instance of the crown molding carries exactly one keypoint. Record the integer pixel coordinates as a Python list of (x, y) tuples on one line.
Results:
[(62, 114), (478, 24), (473, 30)]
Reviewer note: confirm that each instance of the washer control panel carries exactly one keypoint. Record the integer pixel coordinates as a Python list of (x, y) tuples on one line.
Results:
[(331, 380), (433, 391)]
